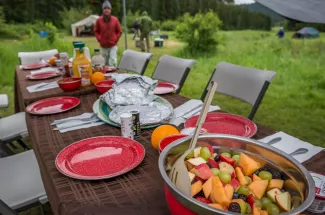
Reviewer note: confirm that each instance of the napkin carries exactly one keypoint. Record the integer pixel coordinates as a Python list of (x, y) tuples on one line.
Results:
[(85, 120), (189, 109), (43, 70), (42, 86), (80, 117), (289, 144), (93, 124)]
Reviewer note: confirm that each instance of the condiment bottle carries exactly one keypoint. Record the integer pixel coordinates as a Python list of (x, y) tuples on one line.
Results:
[(64, 57), (98, 62)]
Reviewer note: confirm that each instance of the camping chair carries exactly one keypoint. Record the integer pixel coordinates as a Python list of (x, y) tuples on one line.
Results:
[(135, 61), (26, 58), (12, 128), (246, 84), (21, 186), (173, 69)]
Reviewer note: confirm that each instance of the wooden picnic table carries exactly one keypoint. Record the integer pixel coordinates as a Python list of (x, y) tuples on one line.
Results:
[(140, 191)]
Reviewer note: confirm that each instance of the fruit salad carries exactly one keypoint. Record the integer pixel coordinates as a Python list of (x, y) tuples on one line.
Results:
[(235, 182)]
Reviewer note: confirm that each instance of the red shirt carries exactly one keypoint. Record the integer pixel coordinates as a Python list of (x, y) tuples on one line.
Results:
[(108, 33)]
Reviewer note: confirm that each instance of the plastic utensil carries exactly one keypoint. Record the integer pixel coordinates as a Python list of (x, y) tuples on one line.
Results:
[(299, 151), (274, 141), (179, 174)]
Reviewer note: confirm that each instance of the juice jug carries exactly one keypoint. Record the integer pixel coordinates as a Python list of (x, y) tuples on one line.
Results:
[(86, 50), (82, 65)]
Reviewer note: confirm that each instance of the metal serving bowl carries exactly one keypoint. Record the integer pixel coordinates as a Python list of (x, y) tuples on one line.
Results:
[(298, 181)]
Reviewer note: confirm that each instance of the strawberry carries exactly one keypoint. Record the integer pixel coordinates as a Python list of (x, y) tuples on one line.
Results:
[(196, 178), (213, 163), (203, 200), (250, 200), (227, 160), (210, 148)]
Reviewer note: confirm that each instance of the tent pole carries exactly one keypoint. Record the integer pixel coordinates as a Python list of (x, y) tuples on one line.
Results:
[(125, 29)]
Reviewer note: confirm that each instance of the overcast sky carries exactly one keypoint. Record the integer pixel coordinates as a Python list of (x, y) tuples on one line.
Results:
[(243, 1)]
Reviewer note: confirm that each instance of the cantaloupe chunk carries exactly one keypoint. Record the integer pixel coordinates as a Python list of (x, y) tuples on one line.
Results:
[(207, 188), (229, 191), (217, 206), (248, 164), (219, 192), (258, 188), (240, 176), (263, 212), (255, 211), (275, 183), (196, 188), (256, 178)]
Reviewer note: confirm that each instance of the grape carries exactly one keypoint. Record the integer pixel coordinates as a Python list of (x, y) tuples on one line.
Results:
[(248, 179), (265, 202), (235, 153), (272, 209), (265, 175), (258, 203), (191, 155), (205, 153), (215, 171), (221, 151), (236, 158), (225, 177), (243, 190), (249, 209), (226, 154)]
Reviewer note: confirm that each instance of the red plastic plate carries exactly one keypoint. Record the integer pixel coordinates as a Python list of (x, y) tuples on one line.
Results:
[(35, 66), (165, 88), (224, 123), (53, 105), (100, 158), (44, 75)]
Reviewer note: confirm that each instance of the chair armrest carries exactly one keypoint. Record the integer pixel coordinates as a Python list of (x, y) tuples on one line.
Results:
[(5, 209), (3, 100)]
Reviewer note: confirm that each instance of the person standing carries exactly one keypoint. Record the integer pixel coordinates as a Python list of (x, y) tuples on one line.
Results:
[(136, 26), (145, 28), (108, 32)]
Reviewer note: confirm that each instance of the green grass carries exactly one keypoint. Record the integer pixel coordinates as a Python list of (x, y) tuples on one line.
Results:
[(294, 102)]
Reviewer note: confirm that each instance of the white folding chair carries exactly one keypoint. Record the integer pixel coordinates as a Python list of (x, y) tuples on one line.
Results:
[(246, 84), (26, 58), (12, 128), (135, 61), (21, 185), (173, 69)]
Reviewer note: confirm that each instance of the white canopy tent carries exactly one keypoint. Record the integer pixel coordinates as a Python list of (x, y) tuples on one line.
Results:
[(89, 21)]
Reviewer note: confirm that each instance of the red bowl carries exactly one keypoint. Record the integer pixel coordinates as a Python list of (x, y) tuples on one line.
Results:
[(168, 140), (174, 206), (104, 86), (69, 84)]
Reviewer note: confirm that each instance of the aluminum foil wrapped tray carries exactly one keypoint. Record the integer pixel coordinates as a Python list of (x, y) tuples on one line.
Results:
[(135, 92), (130, 90)]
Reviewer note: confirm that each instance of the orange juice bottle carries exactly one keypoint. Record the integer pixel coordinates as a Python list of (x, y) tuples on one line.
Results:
[(82, 65)]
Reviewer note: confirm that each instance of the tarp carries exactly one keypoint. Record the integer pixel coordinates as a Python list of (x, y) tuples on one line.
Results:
[(312, 11), (307, 32), (89, 21)]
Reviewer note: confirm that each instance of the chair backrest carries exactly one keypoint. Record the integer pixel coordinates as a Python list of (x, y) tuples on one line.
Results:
[(135, 61), (26, 58), (173, 69), (246, 84)]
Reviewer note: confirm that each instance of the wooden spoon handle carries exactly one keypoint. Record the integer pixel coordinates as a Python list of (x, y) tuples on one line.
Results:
[(203, 114)]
